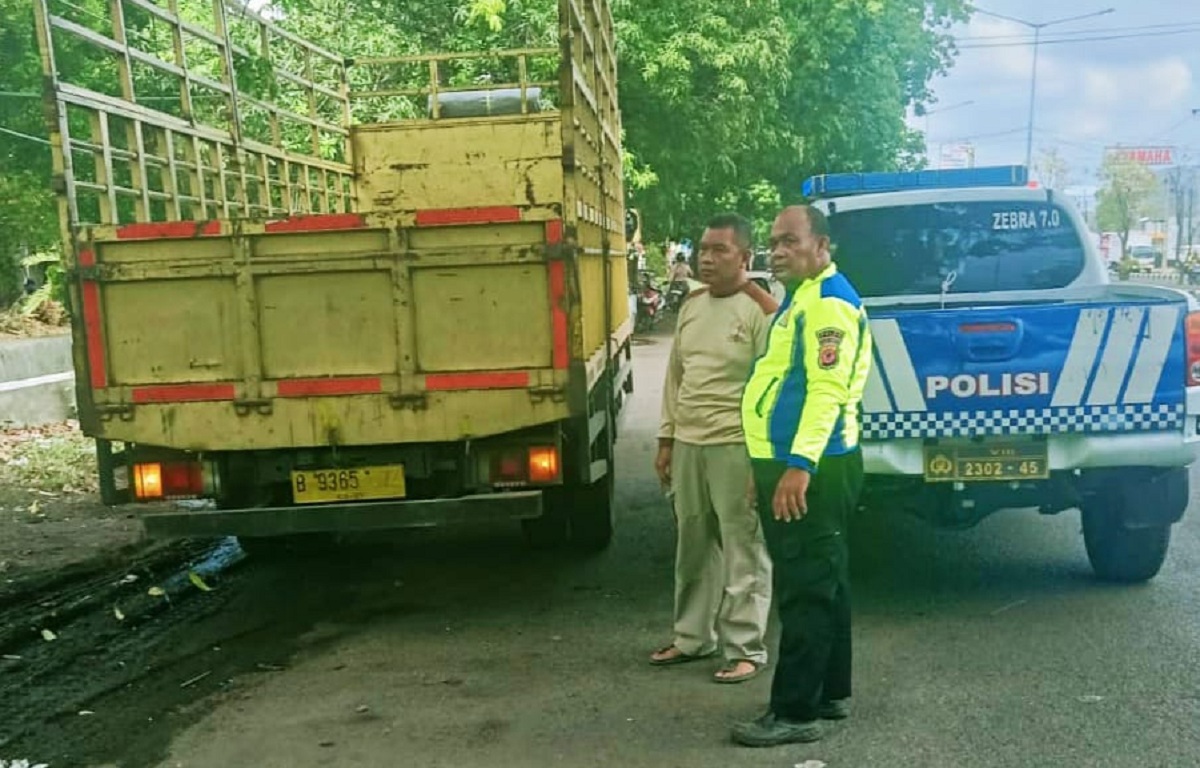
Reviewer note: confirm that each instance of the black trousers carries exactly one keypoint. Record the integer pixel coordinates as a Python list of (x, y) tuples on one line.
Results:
[(810, 561)]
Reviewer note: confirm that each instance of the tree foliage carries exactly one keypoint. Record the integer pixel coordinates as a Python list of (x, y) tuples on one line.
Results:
[(27, 212), (719, 98), (1052, 169), (1128, 194)]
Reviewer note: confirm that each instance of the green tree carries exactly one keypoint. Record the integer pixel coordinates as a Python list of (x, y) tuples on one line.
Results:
[(26, 204), (1127, 195), (717, 97), (1052, 169)]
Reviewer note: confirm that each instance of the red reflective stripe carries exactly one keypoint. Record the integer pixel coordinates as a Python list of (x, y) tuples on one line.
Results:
[(444, 216), (558, 314), (317, 387), (155, 229), (93, 324), (554, 232), (318, 223), (484, 380), (87, 258), (183, 393)]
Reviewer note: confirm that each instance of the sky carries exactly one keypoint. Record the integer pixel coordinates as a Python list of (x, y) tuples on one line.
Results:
[(1133, 91)]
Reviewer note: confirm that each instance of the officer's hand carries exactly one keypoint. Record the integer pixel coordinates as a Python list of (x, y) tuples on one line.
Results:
[(662, 464), (789, 503)]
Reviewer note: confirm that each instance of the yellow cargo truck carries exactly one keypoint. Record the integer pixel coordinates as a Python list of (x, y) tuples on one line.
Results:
[(341, 295)]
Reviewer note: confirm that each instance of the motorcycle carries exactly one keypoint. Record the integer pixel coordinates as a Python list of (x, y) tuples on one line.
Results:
[(676, 293), (650, 304)]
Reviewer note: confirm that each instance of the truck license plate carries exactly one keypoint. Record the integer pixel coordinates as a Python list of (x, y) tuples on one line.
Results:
[(986, 462), (319, 486)]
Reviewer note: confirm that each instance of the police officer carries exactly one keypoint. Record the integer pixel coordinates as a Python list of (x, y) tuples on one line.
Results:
[(800, 413)]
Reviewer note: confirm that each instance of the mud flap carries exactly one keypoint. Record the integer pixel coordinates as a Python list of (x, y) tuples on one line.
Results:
[(1151, 498), (108, 463)]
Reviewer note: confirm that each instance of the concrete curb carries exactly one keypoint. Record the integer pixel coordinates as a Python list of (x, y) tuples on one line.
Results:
[(37, 383)]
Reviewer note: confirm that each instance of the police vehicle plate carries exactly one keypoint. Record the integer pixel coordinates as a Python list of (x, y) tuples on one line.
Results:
[(988, 462)]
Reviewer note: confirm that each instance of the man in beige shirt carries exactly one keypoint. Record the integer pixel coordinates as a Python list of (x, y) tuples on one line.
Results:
[(722, 571)]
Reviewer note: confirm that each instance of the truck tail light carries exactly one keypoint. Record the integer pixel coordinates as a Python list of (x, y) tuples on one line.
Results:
[(526, 465), (543, 464), (508, 467), (159, 480), (1192, 342)]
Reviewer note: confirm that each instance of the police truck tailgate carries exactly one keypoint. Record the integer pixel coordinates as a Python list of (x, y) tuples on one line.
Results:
[(1013, 372)]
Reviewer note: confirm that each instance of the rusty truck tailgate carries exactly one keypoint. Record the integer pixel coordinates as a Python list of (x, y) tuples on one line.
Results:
[(324, 329)]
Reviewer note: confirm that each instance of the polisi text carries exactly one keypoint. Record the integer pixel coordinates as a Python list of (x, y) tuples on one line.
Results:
[(988, 385)]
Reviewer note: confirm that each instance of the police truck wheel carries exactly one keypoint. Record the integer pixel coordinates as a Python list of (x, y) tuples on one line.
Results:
[(1123, 554)]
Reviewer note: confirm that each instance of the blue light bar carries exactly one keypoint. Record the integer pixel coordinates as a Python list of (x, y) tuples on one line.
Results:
[(844, 184)]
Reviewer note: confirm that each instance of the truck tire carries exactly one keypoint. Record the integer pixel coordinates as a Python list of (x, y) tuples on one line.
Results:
[(579, 517), (591, 521), (552, 529), (1120, 554)]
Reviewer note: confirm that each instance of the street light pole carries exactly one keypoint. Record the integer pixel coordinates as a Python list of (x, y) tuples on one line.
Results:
[(1037, 37), (1037, 28)]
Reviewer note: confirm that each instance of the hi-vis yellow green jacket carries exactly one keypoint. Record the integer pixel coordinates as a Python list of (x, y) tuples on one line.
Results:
[(802, 399)]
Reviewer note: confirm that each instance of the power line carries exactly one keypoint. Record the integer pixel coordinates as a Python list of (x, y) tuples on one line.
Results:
[(1060, 41), (1174, 127), (977, 136), (1028, 38)]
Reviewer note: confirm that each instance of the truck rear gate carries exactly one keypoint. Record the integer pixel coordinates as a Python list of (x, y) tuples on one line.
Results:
[(250, 322)]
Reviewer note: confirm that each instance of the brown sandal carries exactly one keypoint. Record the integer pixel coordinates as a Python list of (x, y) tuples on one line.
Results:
[(729, 679), (679, 658)]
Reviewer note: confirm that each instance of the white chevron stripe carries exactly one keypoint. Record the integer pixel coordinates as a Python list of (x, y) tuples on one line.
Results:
[(1148, 368), (1085, 344), (875, 396), (897, 364), (1118, 352)]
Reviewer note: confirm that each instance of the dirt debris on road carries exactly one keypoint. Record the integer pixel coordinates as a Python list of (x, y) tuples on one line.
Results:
[(52, 523), (89, 607)]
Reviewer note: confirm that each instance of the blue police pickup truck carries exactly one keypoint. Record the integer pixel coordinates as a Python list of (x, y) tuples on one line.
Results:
[(1010, 372)]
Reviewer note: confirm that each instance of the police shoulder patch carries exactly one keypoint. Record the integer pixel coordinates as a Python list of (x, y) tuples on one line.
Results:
[(829, 346)]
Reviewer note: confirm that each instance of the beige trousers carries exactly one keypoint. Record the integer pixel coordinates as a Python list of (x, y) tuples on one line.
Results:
[(722, 570)]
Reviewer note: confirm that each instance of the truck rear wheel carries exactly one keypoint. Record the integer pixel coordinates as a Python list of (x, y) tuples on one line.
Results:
[(591, 522), (551, 530), (578, 516), (1120, 554)]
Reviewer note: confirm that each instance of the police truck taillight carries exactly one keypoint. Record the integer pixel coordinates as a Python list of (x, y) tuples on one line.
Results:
[(1192, 340)]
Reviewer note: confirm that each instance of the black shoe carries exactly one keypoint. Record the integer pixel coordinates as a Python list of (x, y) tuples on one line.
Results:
[(837, 709), (772, 731)]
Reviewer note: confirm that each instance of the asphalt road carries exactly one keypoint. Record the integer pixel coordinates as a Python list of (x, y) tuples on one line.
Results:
[(989, 647)]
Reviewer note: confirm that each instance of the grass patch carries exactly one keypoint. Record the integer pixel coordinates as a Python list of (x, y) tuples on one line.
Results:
[(53, 458)]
